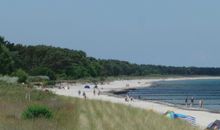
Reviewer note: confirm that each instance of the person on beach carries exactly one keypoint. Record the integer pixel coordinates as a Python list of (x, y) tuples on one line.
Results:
[(127, 98), (192, 101), (94, 92), (186, 101), (79, 92), (99, 92), (84, 95), (132, 99), (201, 103)]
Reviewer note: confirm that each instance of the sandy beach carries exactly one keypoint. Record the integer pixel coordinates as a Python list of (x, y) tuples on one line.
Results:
[(203, 118)]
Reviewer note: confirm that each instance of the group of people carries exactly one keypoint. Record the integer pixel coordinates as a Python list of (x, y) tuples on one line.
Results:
[(191, 103), (98, 93), (83, 94), (95, 91), (128, 98)]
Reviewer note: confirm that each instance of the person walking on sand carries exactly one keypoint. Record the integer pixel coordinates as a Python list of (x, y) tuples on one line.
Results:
[(132, 99), (99, 92), (84, 95), (94, 92), (192, 101), (186, 101), (127, 98), (79, 92)]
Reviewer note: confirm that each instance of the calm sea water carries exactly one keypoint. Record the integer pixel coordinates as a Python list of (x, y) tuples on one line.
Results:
[(175, 92)]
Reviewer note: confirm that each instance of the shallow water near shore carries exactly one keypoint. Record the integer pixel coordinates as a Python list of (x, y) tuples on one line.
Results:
[(175, 92)]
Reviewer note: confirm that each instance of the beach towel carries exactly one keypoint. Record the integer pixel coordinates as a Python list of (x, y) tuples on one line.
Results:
[(189, 119)]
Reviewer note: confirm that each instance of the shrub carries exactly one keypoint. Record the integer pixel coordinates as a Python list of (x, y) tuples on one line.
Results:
[(52, 82), (44, 71), (37, 111), (38, 78), (22, 75), (6, 61)]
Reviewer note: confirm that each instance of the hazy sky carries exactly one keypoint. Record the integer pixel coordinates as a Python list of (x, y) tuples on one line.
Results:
[(167, 32)]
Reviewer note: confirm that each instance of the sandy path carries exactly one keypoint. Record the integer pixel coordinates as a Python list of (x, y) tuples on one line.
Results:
[(202, 118)]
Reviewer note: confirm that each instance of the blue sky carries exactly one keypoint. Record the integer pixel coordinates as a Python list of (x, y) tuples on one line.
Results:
[(166, 32)]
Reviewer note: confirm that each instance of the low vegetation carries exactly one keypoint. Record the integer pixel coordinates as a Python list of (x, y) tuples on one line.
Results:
[(73, 113), (37, 111), (22, 75)]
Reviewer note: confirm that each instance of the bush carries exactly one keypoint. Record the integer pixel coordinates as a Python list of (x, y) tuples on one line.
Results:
[(6, 61), (52, 82), (38, 78), (44, 71), (37, 111), (22, 75)]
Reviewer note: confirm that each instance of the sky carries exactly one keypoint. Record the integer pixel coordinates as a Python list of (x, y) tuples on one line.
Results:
[(162, 32)]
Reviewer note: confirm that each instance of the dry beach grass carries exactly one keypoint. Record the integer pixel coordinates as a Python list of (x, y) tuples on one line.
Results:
[(77, 114)]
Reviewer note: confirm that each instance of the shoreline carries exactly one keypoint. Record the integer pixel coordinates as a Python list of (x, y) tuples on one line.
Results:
[(117, 93), (203, 117), (167, 104)]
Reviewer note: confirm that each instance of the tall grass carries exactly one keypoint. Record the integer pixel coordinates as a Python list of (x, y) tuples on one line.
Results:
[(76, 114)]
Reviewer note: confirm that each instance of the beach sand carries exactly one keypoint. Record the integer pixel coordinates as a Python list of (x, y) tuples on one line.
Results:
[(203, 118)]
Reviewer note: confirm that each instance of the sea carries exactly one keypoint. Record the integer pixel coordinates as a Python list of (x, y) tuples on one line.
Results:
[(175, 93)]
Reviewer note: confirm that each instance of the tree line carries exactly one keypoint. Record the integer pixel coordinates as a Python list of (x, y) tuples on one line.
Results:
[(63, 63)]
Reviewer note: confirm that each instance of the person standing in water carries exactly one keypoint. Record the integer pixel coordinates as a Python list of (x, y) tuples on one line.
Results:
[(201, 103), (186, 101), (192, 101)]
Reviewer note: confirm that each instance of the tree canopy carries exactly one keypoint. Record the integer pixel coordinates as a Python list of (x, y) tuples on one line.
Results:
[(6, 62), (64, 63)]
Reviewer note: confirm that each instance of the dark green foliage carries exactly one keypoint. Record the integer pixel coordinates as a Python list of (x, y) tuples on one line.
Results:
[(37, 111), (51, 82), (43, 71), (61, 63), (22, 75), (6, 62), (77, 72), (38, 78)]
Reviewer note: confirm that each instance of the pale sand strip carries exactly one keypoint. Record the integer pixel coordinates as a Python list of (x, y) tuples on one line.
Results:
[(203, 118)]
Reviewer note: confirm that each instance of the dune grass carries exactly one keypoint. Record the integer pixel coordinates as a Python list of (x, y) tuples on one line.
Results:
[(76, 114)]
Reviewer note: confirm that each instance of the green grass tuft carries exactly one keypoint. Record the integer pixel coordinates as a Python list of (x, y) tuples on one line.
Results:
[(37, 111)]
